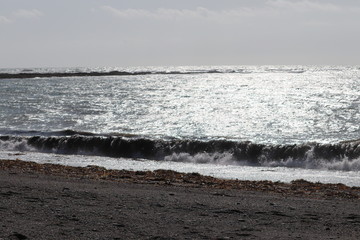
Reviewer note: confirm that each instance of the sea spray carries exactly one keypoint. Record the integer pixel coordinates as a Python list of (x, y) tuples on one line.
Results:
[(341, 156)]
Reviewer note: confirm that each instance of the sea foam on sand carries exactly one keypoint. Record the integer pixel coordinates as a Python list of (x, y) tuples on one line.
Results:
[(282, 174)]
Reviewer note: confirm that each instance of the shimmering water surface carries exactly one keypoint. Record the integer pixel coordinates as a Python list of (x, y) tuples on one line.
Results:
[(267, 104), (267, 116)]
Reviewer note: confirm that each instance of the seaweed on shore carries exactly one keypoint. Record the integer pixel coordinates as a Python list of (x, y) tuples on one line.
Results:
[(299, 187)]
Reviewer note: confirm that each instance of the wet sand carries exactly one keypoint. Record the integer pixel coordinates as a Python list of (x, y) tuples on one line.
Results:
[(58, 202)]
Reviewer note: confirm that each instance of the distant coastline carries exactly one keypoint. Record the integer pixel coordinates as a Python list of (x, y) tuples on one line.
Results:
[(93, 74), (67, 74)]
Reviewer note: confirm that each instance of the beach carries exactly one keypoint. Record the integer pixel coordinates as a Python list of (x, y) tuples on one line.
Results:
[(180, 120), (46, 201)]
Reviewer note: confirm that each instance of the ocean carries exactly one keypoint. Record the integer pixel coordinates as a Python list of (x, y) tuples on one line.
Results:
[(277, 123)]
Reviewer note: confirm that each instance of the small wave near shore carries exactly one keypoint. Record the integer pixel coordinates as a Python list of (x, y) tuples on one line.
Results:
[(343, 156)]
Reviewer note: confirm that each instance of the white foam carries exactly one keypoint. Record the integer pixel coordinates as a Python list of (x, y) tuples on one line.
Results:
[(212, 158), (283, 174), (20, 145), (343, 164)]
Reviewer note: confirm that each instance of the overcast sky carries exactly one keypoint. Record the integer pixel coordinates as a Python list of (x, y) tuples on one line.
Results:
[(76, 33)]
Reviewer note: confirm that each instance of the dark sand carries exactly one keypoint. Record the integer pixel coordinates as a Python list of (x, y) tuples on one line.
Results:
[(58, 202)]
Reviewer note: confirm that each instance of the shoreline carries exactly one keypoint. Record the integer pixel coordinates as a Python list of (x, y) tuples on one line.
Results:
[(298, 187), (47, 201)]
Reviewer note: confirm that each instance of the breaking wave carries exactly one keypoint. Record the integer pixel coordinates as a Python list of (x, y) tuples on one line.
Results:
[(341, 156)]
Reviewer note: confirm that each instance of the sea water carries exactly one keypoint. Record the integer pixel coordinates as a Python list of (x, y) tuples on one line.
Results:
[(275, 123)]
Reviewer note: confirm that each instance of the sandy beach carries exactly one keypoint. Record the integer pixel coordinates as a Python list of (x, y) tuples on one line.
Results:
[(59, 202), (164, 120)]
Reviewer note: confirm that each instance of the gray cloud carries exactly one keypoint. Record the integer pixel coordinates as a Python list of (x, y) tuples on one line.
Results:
[(307, 12), (305, 5), (27, 13), (195, 14), (4, 19), (21, 13)]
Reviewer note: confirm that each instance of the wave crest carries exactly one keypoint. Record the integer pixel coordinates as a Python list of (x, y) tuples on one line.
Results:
[(341, 156), (213, 158)]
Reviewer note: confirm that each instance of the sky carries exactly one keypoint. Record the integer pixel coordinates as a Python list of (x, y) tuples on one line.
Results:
[(121, 33)]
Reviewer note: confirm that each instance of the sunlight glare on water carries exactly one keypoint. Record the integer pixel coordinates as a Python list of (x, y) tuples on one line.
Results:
[(273, 104)]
